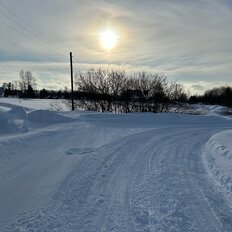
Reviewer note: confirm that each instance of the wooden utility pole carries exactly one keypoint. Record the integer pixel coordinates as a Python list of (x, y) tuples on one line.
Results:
[(71, 66)]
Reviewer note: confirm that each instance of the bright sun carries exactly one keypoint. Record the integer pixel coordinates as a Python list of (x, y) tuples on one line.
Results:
[(108, 39)]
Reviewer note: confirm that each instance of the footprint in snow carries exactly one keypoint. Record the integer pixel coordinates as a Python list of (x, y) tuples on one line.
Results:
[(80, 151), (100, 201)]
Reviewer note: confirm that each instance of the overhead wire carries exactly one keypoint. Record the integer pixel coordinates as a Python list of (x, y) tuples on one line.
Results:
[(28, 27), (23, 47), (12, 42), (33, 30), (20, 32), (28, 30)]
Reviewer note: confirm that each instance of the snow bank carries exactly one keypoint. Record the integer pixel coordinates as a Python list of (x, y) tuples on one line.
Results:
[(45, 116), (17, 112), (218, 160), (4, 108), (15, 119), (7, 126), (151, 120)]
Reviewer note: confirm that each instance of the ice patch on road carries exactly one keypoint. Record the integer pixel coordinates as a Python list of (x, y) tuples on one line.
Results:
[(218, 160)]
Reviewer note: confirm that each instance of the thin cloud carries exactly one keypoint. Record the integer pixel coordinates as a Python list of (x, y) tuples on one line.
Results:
[(187, 40)]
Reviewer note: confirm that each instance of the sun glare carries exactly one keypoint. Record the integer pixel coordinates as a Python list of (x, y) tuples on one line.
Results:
[(108, 39)]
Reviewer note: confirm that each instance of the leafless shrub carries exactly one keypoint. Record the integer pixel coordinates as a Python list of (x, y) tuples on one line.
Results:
[(115, 91)]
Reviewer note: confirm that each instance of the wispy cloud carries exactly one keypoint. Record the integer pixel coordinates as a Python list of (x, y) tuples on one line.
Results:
[(190, 41)]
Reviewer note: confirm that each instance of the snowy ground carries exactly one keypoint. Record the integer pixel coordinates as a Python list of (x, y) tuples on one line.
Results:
[(93, 172)]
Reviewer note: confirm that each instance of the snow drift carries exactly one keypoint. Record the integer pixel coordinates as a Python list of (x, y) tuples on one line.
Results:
[(7, 126), (88, 171), (17, 112), (218, 160), (16, 119), (45, 116)]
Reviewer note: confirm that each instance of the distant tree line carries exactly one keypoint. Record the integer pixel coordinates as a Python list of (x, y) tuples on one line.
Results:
[(216, 96), (25, 87), (117, 91)]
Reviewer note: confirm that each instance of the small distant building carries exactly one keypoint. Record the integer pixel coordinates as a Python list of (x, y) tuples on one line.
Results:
[(1, 92), (134, 95)]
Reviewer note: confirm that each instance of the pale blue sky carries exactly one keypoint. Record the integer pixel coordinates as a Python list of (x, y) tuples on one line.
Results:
[(189, 41)]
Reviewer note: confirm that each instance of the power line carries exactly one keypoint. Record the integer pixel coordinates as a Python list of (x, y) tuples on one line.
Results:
[(25, 48), (12, 42), (27, 30), (26, 36), (71, 68), (29, 27), (33, 30), (20, 32)]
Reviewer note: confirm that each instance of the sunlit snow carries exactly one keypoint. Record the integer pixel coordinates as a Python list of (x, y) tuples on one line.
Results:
[(87, 171)]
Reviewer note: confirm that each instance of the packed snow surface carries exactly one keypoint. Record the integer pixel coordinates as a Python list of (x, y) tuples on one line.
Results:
[(218, 160), (90, 172)]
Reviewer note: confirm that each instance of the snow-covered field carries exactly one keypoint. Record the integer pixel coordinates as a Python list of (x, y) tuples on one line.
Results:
[(90, 172)]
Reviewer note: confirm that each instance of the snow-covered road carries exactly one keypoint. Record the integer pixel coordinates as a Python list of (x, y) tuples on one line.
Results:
[(104, 172)]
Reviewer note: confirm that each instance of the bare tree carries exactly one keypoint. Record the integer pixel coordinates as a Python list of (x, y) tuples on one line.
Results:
[(103, 88), (27, 81)]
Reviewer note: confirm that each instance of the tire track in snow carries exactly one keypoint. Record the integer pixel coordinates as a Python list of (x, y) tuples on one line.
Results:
[(150, 181), (77, 197), (181, 180)]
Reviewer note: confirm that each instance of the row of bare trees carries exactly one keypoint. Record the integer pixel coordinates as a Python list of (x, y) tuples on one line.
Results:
[(119, 92), (24, 87), (219, 95)]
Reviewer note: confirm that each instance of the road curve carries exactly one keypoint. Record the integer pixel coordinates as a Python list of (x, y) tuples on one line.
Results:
[(149, 181)]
